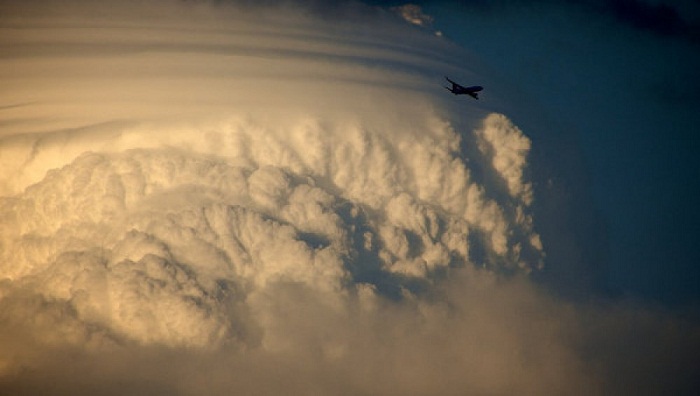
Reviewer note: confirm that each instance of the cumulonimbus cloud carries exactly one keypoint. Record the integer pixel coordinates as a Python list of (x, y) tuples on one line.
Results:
[(270, 191)]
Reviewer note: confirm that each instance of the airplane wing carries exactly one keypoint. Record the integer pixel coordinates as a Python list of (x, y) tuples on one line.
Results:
[(454, 84)]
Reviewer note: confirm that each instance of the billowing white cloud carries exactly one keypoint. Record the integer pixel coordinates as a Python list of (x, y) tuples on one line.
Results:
[(264, 194), (508, 147)]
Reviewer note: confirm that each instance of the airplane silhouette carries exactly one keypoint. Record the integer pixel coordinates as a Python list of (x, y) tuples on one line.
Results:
[(461, 90)]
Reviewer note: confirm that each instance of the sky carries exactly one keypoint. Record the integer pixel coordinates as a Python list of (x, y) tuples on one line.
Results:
[(242, 197), (620, 78)]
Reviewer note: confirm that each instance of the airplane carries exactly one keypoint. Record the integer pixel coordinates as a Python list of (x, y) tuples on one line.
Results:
[(460, 90)]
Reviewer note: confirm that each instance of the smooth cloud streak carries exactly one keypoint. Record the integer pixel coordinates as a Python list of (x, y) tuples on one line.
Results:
[(266, 200)]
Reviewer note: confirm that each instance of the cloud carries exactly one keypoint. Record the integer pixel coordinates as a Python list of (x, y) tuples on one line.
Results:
[(414, 14), (208, 198)]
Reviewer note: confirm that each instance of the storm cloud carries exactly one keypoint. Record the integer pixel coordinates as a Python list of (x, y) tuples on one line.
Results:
[(204, 198)]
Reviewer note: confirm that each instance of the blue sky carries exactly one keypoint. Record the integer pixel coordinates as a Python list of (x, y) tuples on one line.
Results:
[(618, 80)]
